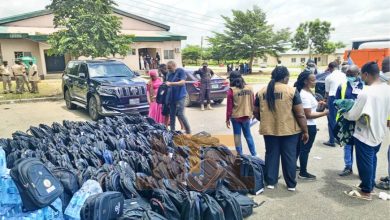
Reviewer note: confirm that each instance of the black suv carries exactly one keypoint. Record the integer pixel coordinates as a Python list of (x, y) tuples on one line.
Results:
[(104, 87)]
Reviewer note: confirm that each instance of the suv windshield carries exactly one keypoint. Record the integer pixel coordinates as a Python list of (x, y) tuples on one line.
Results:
[(109, 70)]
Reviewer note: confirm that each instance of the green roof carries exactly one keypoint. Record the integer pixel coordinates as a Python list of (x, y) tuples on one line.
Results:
[(47, 11)]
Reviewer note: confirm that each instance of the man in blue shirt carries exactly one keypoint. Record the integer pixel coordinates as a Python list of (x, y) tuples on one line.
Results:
[(353, 87), (176, 79)]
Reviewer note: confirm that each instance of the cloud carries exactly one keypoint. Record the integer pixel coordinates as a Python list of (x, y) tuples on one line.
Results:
[(196, 18)]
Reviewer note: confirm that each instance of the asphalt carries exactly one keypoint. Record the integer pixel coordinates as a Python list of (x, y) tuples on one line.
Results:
[(320, 199)]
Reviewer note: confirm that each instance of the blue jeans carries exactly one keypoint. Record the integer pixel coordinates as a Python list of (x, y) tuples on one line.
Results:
[(348, 156), (177, 109), (245, 127), (366, 164), (331, 118)]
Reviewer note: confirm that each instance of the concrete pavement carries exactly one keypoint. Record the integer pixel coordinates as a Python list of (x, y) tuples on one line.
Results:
[(321, 199)]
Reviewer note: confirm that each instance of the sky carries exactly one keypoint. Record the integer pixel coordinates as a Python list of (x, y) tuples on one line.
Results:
[(351, 19)]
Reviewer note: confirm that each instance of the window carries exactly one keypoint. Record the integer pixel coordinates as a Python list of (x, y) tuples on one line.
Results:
[(319, 59), (19, 54), (303, 60), (83, 69), (265, 60), (293, 60), (73, 68), (168, 54)]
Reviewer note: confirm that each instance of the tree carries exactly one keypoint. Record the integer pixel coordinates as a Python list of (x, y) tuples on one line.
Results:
[(314, 35), (192, 52), (248, 35), (87, 28)]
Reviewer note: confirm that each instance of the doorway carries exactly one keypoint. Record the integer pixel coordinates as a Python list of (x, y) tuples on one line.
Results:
[(54, 64), (148, 58)]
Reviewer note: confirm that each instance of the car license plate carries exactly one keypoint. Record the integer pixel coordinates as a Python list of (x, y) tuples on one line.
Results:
[(216, 86), (134, 101)]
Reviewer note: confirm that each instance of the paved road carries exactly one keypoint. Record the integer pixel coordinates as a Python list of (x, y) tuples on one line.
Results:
[(321, 199)]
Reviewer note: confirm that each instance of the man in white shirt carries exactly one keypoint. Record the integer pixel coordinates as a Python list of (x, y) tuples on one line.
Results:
[(370, 111), (384, 182), (332, 82)]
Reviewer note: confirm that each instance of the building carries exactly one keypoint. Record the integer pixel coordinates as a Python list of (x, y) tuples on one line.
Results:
[(26, 35), (292, 58)]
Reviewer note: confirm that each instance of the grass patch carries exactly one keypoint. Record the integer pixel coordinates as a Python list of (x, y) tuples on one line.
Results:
[(47, 88)]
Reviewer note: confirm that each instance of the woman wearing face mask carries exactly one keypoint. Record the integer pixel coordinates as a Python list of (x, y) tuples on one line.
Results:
[(305, 83), (155, 109), (349, 90)]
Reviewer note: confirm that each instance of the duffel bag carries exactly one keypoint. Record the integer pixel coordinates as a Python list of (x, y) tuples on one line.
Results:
[(103, 206), (207, 177), (37, 186)]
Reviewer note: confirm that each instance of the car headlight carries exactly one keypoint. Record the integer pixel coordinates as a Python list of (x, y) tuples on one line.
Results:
[(106, 90)]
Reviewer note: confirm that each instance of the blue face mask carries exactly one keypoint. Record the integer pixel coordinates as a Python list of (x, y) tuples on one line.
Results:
[(351, 79)]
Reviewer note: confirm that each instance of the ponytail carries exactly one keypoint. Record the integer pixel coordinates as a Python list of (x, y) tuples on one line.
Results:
[(278, 74), (300, 83)]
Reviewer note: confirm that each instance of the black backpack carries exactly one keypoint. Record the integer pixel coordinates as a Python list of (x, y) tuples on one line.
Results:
[(250, 171), (37, 186), (229, 204), (201, 206), (163, 205), (139, 208), (70, 183), (163, 94), (103, 206), (246, 204)]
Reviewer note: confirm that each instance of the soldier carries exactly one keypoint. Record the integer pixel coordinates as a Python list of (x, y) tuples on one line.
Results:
[(34, 77), (205, 85), (5, 74), (17, 70), (25, 77)]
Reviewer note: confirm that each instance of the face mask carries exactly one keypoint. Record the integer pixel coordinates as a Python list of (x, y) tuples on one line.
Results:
[(351, 79)]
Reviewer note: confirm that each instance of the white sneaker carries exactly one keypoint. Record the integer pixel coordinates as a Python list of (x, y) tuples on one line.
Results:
[(270, 187), (291, 189)]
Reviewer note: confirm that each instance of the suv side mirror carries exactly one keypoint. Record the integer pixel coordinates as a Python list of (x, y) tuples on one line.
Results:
[(82, 75)]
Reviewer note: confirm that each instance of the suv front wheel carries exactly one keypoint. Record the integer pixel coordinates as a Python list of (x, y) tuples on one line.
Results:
[(68, 101), (93, 109)]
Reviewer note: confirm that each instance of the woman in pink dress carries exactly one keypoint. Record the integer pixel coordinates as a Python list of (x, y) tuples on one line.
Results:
[(155, 109)]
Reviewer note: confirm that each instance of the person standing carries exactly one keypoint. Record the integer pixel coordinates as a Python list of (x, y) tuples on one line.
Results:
[(155, 109), (278, 106), (239, 110), (34, 77), (177, 79), (384, 182), (370, 111), (158, 59), (25, 77), (205, 74), (305, 83), (349, 90), (5, 74), (332, 82), (148, 59), (17, 70)]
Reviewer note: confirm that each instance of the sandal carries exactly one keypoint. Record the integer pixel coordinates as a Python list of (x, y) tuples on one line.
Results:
[(356, 194), (357, 186)]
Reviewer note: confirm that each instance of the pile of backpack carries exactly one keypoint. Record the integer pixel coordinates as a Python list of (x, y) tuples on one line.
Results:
[(124, 167)]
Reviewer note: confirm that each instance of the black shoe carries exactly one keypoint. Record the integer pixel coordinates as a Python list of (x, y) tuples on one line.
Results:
[(306, 176), (329, 144), (383, 185), (385, 179), (346, 172), (298, 168)]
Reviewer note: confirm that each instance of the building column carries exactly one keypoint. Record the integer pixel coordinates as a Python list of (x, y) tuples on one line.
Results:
[(42, 48)]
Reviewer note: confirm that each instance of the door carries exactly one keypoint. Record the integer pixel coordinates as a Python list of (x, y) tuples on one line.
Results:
[(71, 77), (54, 64), (81, 85)]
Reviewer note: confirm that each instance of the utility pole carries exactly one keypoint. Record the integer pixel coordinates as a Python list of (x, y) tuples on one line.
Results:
[(201, 48)]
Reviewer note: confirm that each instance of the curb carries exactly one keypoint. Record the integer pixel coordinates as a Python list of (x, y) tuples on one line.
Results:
[(46, 99)]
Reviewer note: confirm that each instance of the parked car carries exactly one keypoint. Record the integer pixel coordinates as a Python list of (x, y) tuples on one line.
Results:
[(219, 88), (104, 88)]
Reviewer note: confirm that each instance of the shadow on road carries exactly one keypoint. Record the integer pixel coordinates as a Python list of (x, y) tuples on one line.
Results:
[(334, 189), (80, 112)]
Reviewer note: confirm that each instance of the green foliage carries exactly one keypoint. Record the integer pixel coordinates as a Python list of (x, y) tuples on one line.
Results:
[(192, 52), (248, 35), (314, 35), (87, 28)]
